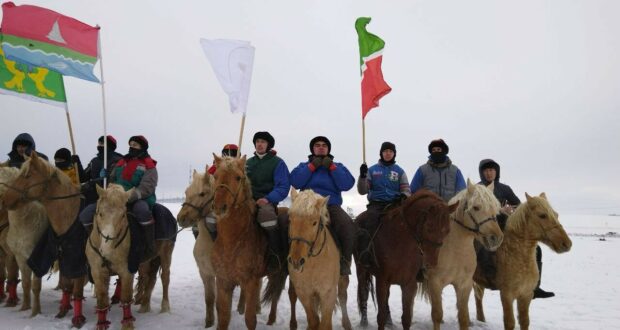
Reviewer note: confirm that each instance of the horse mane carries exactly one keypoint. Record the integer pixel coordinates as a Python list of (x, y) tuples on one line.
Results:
[(230, 164), (422, 194), (518, 219), (481, 197), (114, 196), (305, 205), (7, 174)]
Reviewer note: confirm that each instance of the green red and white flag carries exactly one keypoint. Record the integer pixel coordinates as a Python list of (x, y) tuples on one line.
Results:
[(44, 38), (31, 83), (371, 56)]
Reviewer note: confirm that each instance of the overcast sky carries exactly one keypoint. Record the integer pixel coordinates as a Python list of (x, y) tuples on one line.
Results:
[(533, 84)]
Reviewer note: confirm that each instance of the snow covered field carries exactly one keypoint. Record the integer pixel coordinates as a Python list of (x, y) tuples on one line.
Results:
[(585, 281)]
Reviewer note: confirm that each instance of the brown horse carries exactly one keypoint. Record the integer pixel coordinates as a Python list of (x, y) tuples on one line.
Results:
[(473, 219), (40, 181), (517, 273), (314, 261), (239, 252), (408, 238)]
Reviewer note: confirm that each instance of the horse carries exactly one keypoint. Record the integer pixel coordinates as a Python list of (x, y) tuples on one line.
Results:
[(314, 261), (26, 225), (473, 219), (408, 238), (517, 273), (239, 251), (39, 180), (9, 270)]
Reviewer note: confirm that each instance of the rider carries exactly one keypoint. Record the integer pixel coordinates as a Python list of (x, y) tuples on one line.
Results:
[(489, 173), (439, 175), (66, 162), (95, 173), (22, 145), (386, 185), (328, 178), (269, 177)]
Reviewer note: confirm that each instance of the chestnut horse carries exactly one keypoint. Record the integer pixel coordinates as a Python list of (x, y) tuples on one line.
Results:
[(517, 273), (314, 262), (39, 180), (240, 248), (473, 219), (408, 238)]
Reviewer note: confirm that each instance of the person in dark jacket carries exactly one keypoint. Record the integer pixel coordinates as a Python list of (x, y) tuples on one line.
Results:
[(22, 145), (328, 178), (269, 177), (94, 172), (439, 175), (489, 173), (69, 165)]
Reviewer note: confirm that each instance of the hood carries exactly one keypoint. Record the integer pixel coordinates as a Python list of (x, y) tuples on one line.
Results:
[(488, 163), (22, 137)]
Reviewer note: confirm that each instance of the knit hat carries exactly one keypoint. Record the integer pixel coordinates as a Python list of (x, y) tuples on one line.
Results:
[(111, 142), (264, 136), (141, 140), (438, 143), (323, 139), (63, 153), (230, 150)]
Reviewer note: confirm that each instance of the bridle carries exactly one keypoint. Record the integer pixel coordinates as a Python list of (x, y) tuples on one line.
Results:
[(234, 194), (119, 239), (200, 209), (321, 228), (475, 229), (45, 183)]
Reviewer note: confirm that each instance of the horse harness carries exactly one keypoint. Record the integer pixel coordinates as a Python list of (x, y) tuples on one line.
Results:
[(200, 209), (119, 238), (24, 192), (235, 194), (475, 229), (321, 228)]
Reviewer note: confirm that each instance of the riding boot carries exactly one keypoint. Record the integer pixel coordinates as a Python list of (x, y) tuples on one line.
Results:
[(149, 241), (274, 253), (538, 292)]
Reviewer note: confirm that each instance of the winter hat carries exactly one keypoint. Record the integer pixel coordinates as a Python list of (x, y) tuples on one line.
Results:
[(111, 142), (141, 140), (230, 150), (63, 153), (323, 139), (438, 143), (264, 136), (387, 145)]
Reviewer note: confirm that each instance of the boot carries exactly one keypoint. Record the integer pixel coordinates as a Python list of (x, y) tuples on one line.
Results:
[(149, 241), (274, 250), (365, 249), (538, 292)]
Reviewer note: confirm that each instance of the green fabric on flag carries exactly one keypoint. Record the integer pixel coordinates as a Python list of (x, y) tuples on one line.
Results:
[(368, 42), (33, 83)]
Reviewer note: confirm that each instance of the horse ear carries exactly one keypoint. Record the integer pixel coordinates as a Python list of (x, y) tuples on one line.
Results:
[(543, 195), (99, 190), (217, 159), (194, 174), (294, 194), (242, 161), (470, 187), (325, 201), (527, 197), (453, 207)]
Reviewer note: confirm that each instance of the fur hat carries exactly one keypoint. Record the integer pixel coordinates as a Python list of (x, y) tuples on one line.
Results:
[(264, 135), (320, 138), (111, 142), (141, 140), (63, 153), (438, 143), (230, 150)]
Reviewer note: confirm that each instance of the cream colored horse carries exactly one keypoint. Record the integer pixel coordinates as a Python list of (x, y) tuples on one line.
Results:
[(314, 260), (517, 273), (473, 219), (27, 223)]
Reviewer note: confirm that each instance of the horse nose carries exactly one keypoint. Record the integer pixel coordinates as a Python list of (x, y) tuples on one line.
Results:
[(290, 260), (302, 261)]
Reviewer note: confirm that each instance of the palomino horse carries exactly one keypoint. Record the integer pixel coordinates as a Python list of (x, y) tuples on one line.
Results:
[(314, 261), (239, 252), (517, 273), (474, 219), (198, 203), (27, 224), (409, 237), (40, 181)]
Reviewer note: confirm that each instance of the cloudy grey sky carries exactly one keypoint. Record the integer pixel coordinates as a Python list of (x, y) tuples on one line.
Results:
[(533, 84)]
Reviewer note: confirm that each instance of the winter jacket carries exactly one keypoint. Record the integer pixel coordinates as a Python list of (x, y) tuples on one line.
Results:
[(384, 183), (444, 179), (269, 177), (15, 160), (139, 173), (502, 192), (325, 182), (94, 175)]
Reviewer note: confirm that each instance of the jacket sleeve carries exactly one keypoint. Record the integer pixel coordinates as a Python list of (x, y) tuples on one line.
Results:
[(342, 177), (418, 180), (281, 184), (363, 185), (404, 185), (300, 176), (147, 185), (511, 197), (460, 181)]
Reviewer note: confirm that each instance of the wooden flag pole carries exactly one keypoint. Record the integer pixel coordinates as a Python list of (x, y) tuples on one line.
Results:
[(105, 128), (75, 166), (363, 141), (241, 135)]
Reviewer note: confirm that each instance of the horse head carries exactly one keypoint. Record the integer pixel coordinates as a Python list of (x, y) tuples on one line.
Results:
[(31, 182), (112, 204), (307, 230), (198, 199), (537, 220), (232, 186), (478, 212)]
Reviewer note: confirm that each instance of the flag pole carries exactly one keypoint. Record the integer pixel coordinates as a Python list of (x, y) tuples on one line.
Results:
[(363, 141), (75, 166), (241, 134), (105, 128)]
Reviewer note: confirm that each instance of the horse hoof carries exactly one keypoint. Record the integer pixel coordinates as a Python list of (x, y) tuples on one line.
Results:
[(62, 313), (209, 323), (293, 326), (24, 308), (78, 321), (144, 309), (11, 302), (364, 322), (35, 313)]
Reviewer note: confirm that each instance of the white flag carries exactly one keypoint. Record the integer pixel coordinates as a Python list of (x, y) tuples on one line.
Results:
[(232, 61)]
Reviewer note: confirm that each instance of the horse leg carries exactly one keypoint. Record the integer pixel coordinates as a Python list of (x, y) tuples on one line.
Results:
[(382, 287), (274, 305), (11, 283), (126, 298), (223, 302), (65, 301), (408, 293), (292, 297), (208, 281), (434, 289), (509, 317), (463, 290), (307, 301), (343, 285), (36, 294), (149, 274), (479, 294), (78, 296), (251, 287), (273, 311), (241, 302), (166, 261), (26, 283), (102, 282), (523, 307), (363, 277), (328, 300)]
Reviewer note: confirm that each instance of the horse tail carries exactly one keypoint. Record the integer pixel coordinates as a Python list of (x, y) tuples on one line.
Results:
[(423, 291), (369, 287), (275, 286)]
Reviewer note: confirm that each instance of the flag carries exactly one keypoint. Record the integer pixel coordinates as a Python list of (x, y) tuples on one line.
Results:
[(32, 83), (44, 38), (232, 61), (371, 55)]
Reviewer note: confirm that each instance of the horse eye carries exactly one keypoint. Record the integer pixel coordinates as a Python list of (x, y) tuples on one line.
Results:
[(238, 178), (476, 208), (543, 216), (314, 224)]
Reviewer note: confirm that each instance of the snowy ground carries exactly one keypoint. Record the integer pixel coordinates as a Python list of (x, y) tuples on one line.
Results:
[(585, 281)]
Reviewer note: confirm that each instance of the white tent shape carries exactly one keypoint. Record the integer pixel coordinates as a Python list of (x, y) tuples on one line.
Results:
[(55, 34)]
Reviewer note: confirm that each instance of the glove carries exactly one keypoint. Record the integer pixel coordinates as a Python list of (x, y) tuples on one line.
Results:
[(103, 173), (363, 170), (316, 162), (327, 162), (75, 159)]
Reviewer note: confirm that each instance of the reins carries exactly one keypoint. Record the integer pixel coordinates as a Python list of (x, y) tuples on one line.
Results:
[(420, 223), (24, 192)]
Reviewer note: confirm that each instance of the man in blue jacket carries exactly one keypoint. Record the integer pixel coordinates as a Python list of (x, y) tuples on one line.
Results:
[(328, 178), (270, 185), (439, 175)]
